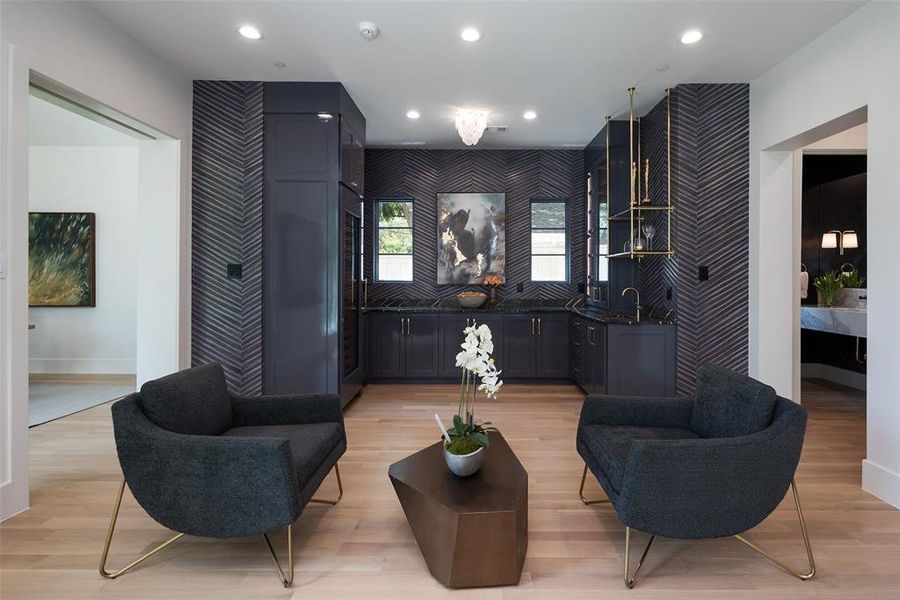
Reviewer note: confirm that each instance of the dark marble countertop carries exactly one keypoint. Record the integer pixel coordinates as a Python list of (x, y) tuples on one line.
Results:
[(572, 305)]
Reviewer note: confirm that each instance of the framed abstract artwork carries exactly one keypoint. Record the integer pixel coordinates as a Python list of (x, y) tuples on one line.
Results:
[(471, 243), (61, 259)]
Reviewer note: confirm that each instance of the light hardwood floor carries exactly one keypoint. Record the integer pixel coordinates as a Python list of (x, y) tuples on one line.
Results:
[(363, 548)]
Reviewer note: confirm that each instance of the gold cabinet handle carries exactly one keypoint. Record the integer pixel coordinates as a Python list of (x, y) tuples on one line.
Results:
[(365, 292), (407, 325), (532, 325), (540, 330)]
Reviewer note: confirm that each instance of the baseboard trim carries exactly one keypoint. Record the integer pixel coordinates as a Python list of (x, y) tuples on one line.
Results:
[(881, 482), (113, 378), (101, 366), (834, 374)]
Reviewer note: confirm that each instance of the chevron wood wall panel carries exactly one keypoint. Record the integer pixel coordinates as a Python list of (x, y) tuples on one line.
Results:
[(710, 189), (226, 190), (521, 174)]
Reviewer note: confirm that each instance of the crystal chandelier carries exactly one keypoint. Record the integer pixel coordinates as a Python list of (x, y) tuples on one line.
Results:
[(470, 125)]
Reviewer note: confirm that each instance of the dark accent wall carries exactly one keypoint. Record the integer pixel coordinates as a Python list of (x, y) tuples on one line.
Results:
[(521, 174), (226, 213), (710, 190)]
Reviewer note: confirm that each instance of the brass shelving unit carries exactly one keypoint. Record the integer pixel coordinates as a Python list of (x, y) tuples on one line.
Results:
[(634, 214)]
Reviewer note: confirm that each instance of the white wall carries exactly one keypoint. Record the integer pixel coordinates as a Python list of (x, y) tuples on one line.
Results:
[(102, 180), (852, 69), (69, 42)]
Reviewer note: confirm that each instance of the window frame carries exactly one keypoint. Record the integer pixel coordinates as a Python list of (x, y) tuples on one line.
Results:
[(567, 229), (376, 231)]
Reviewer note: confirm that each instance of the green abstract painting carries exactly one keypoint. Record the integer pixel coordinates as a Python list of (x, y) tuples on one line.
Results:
[(61, 259)]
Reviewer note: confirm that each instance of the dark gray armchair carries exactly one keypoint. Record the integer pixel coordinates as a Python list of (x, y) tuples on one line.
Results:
[(712, 465), (204, 462)]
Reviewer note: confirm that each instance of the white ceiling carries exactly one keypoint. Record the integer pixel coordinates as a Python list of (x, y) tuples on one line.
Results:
[(569, 61), (52, 125)]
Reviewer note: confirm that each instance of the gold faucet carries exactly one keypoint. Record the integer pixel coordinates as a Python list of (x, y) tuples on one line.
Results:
[(637, 304)]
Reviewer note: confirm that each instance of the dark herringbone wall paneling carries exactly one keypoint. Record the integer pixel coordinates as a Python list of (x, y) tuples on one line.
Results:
[(226, 314), (521, 174), (710, 189)]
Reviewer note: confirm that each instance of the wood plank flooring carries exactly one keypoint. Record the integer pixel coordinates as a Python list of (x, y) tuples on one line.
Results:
[(363, 547)]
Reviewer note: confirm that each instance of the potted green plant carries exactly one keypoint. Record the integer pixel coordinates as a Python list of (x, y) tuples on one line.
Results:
[(827, 285), (466, 441)]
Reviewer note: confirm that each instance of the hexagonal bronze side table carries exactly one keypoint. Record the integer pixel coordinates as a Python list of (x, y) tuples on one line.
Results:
[(472, 531)]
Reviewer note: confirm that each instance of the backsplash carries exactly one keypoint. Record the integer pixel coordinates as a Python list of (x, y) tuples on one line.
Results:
[(521, 174)]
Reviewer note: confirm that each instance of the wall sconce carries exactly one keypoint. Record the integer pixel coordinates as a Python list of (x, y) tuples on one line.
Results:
[(840, 240)]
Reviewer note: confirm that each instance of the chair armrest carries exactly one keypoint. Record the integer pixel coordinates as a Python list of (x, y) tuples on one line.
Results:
[(208, 486), (636, 411), (700, 488), (287, 409)]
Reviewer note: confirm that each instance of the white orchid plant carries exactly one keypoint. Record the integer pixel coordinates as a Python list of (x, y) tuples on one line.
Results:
[(479, 374)]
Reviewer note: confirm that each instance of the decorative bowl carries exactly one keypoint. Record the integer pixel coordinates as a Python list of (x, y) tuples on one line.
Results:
[(471, 299), (463, 465)]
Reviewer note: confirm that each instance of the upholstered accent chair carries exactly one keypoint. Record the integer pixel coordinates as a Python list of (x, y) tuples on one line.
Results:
[(205, 462), (712, 465)]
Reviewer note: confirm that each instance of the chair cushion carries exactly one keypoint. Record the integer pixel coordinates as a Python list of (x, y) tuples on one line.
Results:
[(728, 404), (310, 443), (194, 401), (610, 445)]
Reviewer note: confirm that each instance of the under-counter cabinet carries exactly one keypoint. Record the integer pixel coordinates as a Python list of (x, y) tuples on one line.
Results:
[(403, 346), (589, 355), (536, 346)]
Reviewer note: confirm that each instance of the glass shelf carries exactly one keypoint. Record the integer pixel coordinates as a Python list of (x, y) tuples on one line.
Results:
[(642, 253)]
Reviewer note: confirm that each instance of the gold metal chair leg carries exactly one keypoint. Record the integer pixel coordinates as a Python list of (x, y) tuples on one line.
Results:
[(631, 579), (109, 536), (286, 580), (809, 553), (581, 491), (337, 472)]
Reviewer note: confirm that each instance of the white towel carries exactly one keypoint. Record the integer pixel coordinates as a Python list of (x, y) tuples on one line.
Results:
[(804, 284)]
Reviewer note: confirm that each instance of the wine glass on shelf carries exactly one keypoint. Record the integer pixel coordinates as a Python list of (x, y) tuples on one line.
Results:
[(649, 231)]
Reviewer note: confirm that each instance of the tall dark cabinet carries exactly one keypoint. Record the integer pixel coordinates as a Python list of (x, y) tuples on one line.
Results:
[(312, 288)]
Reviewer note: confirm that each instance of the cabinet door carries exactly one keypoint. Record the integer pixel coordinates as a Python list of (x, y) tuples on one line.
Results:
[(451, 337), (352, 158), (579, 351), (495, 322), (553, 346), (641, 360), (598, 359), (519, 341), (422, 346), (386, 345)]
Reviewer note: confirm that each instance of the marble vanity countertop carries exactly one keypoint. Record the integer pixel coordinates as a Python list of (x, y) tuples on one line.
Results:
[(844, 321), (571, 305)]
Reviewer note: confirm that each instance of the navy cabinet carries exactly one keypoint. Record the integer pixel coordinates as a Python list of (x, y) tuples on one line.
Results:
[(552, 346), (312, 334), (520, 347), (641, 360), (403, 346)]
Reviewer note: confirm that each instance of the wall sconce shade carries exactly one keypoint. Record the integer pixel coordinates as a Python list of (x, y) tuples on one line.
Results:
[(830, 239), (851, 240)]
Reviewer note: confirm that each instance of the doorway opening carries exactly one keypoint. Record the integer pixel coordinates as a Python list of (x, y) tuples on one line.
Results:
[(102, 228)]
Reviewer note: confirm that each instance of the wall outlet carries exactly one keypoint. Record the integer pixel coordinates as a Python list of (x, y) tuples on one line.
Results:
[(668, 293), (703, 273), (4, 265), (234, 271), (580, 288), (520, 287)]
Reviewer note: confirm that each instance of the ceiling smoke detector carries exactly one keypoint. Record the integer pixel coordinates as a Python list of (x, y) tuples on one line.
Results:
[(368, 30)]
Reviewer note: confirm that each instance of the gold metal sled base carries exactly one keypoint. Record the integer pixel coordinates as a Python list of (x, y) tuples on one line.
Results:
[(631, 578), (286, 579)]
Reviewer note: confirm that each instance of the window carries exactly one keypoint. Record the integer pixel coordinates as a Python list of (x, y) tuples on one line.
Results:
[(394, 236), (549, 240)]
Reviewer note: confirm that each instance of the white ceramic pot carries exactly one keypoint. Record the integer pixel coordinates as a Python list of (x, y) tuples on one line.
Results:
[(463, 465)]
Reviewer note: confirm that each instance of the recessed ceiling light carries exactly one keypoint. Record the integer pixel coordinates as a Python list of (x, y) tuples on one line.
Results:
[(279, 64), (691, 36), (412, 143), (412, 114), (529, 114), (470, 34), (250, 32), (325, 116), (662, 68)]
